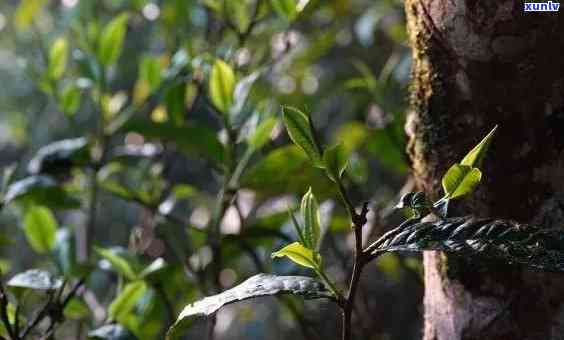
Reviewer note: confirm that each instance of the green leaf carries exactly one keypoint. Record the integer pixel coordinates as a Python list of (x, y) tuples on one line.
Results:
[(65, 251), (58, 55), (310, 213), (110, 44), (475, 157), (298, 254), (287, 9), (35, 279), (175, 98), (222, 85), (76, 309), (26, 11), (40, 228), (460, 180), (60, 156), (336, 161), (118, 262), (241, 93), (299, 128), (124, 303), (40, 190), (150, 71), (191, 138), (262, 133), (152, 269), (298, 228), (111, 332), (286, 170), (70, 100), (256, 286)]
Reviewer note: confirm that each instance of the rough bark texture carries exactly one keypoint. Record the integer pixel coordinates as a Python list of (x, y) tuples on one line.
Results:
[(478, 63)]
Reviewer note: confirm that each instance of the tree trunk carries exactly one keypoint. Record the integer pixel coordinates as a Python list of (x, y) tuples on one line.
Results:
[(477, 64)]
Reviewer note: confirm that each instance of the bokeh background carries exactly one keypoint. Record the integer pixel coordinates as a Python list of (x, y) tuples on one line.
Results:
[(345, 62)]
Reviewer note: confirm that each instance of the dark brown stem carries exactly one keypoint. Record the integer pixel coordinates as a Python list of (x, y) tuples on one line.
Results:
[(359, 262)]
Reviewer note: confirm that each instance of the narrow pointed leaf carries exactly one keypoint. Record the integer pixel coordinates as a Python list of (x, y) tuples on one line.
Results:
[(118, 262), (297, 227), (299, 128), (110, 45), (310, 213), (298, 254), (475, 157), (124, 303), (256, 286)]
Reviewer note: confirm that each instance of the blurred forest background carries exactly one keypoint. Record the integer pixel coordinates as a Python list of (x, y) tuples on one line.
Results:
[(134, 197)]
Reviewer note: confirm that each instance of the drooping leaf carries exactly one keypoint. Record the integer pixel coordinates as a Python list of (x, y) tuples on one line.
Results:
[(300, 131), (488, 238), (460, 180), (26, 11), (40, 228), (60, 156), (310, 213), (256, 286), (124, 303), (118, 262), (58, 55), (298, 254), (475, 157), (222, 85), (335, 160), (35, 279), (110, 44), (40, 190), (262, 133), (111, 332)]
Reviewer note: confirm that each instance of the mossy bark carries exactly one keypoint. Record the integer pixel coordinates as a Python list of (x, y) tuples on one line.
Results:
[(478, 64)]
